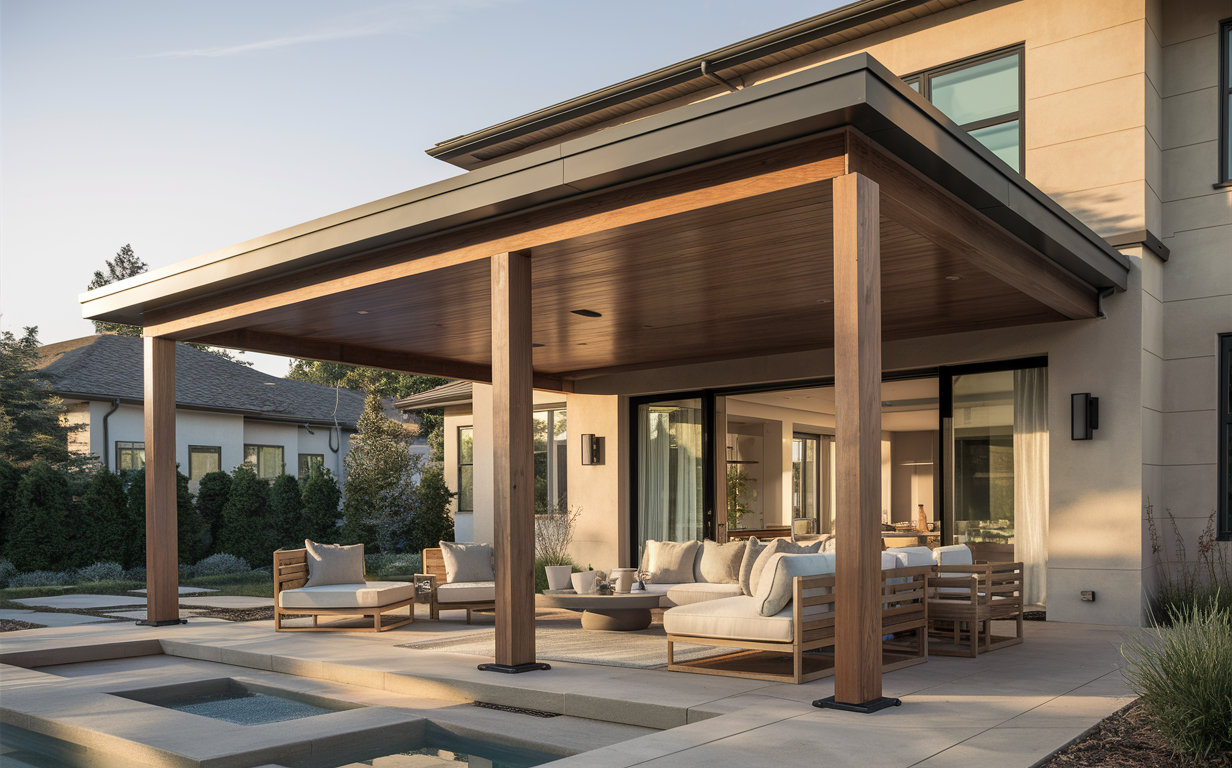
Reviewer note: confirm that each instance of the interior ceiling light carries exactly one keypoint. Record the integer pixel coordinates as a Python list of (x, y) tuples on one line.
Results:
[(362, 312), (953, 277), (586, 312)]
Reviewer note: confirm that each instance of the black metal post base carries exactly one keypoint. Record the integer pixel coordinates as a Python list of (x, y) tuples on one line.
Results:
[(867, 708), (163, 623), (514, 669)]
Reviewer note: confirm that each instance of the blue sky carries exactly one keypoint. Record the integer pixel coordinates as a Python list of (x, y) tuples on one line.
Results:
[(183, 127)]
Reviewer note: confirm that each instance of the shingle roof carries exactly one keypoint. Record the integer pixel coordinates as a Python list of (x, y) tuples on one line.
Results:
[(453, 393), (112, 366)]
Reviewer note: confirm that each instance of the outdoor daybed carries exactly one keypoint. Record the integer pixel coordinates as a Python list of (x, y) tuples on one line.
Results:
[(328, 580), (786, 631), (690, 572), (458, 576)]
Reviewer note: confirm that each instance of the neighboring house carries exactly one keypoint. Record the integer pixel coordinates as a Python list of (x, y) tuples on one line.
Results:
[(226, 414), (1053, 184)]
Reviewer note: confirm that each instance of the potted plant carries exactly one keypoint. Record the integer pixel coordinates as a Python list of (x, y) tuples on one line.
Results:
[(739, 486), (553, 535)]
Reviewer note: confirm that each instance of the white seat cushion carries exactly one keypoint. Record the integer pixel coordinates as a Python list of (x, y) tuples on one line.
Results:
[(367, 595), (661, 590), (954, 554), (688, 594), (466, 592), (911, 557), (732, 618)]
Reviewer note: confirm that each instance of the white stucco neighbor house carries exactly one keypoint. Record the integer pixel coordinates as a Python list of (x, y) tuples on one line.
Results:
[(226, 414)]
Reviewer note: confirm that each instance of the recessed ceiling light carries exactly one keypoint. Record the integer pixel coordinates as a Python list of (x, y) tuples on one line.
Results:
[(581, 343), (586, 312), (535, 346), (823, 301), (953, 277), (362, 312)]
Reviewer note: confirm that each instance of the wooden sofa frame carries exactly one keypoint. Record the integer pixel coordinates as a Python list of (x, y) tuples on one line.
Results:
[(291, 572), (960, 618), (904, 610), (433, 575)]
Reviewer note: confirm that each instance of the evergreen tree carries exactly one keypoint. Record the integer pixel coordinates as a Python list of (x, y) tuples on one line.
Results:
[(384, 383), (249, 529), (433, 521), (321, 497), (40, 538), (104, 520), (212, 495), (188, 524), (287, 508), (125, 265), (10, 478), (30, 424), (134, 550), (380, 471)]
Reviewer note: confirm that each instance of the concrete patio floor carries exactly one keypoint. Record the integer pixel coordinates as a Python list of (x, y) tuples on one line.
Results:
[(1013, 707)]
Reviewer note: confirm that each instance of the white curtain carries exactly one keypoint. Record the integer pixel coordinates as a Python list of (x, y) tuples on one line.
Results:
[(687, 518), (1031, 480), (655, 473)]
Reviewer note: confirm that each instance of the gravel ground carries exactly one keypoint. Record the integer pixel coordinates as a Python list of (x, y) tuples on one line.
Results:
[(12, 625), (1125, 740)]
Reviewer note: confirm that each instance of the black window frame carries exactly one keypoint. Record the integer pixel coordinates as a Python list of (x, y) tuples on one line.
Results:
[(1225, 103), (466, 428), (924, 78), (304, 475), (282, 469), (129, 445), (1223, 406), (214, 449)]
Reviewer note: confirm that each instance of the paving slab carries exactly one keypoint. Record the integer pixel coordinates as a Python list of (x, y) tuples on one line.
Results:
[(228, 601), (49, 619), (91, 602), (141, 615), (183, 591)]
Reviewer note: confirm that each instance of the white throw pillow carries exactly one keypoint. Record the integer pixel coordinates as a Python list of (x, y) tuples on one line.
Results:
[(777, 586), (719, 563), (467, 562), (334, 564), (671, 562), (777, 546), (752, 551)]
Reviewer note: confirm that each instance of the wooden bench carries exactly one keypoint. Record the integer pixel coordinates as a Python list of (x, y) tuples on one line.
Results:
[(428, 584), (291, 573), (904, 615)]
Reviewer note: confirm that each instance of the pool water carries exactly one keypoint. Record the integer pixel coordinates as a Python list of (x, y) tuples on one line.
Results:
[(248, 708), (450, 751)]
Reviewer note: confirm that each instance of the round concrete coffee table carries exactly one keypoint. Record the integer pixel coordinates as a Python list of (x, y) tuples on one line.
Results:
[(609, 613)]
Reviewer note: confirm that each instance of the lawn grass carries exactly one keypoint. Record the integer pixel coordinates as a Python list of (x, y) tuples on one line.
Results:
[(253, 584)]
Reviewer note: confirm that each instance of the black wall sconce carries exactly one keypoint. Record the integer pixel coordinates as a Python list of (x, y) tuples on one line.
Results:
[(1084, 416), (592, 449)]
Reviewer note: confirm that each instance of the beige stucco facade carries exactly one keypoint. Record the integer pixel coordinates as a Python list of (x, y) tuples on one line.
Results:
[(1121, 128)]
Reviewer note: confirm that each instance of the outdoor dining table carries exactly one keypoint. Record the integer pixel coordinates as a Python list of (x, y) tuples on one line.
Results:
[(608, 613)]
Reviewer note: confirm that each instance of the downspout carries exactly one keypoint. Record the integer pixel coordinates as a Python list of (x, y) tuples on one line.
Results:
[(115, 404), (710, 75)]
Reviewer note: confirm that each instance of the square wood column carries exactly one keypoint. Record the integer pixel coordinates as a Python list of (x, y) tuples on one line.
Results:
[(513, 501), (161, 550), (857, 403)]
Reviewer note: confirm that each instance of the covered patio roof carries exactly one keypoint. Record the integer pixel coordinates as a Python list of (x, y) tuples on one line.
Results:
[(701, 233)]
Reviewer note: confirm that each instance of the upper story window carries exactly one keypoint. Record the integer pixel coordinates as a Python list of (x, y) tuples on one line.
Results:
[(1225, 105), (984, 96)]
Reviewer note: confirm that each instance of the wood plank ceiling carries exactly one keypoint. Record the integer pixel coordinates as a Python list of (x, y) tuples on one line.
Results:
[(739, 279)]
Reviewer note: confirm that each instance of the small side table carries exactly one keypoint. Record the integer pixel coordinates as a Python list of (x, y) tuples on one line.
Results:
[(606, 613)]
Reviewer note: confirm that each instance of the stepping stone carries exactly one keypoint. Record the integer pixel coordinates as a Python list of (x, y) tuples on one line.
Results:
[(69, 602), (183, 591), (51, 619), (140, 615), (228, 601)]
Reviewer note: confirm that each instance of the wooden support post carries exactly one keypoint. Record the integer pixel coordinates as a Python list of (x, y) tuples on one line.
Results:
[(513, 502), (857, 391), (161, 552)]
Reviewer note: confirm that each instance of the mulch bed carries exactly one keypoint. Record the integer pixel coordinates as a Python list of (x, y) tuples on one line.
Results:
[(12, 625), (240, 614), (1125, 740)]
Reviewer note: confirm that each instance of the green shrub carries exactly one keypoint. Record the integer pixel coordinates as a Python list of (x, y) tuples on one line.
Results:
[(321, 497), (1201, 580), (249, 529), (105, 522), (134, 546), (433, 522), (212, 493), (380, 565), (1183, 675), (286, 505), (43, 579), (221, 564), (541, 574), (7, 571), (10, 477), (189, 528), (41, 534), (101, 572)]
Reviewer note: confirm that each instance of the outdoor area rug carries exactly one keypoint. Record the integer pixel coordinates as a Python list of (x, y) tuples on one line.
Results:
[(611, 649)]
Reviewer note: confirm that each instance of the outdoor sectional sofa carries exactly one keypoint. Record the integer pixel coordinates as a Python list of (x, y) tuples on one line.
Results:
[(442, 594), (293, 597)]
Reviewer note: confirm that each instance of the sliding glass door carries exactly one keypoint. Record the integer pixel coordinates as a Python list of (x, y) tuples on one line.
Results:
[(671, 472), (806, 481)]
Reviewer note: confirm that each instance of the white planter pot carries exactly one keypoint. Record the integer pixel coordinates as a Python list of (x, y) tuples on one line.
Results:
[(623, 577), (584, 582), (558, 576)]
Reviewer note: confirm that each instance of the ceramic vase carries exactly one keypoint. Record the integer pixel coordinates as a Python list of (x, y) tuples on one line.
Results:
[(584, 582), (558, 576)]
